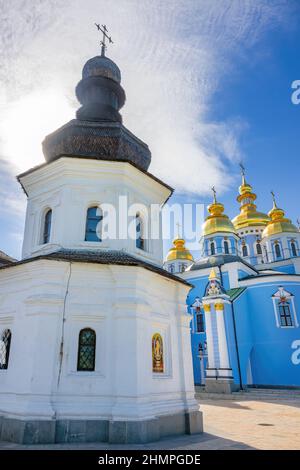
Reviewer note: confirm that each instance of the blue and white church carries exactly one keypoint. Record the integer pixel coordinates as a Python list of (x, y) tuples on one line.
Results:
[(245, 300)]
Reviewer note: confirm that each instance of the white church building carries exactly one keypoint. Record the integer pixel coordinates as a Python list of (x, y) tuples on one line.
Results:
[(94, 333)]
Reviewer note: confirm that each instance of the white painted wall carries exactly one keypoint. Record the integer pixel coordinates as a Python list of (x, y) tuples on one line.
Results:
[(69, 186), (47, 302)]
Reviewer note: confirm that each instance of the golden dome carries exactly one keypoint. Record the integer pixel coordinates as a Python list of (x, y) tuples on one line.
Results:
[(248, 216), (217, 221), (179, 251), (278, 223)]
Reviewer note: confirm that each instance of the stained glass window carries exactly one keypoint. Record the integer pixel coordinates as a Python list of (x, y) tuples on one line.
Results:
[(93, 221), (86, 350), (5, 340)]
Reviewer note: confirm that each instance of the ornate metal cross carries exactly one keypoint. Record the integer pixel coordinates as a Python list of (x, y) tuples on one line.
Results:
[(178, 229), (214, 193), (273, 197), (104, 31), (243, 170)]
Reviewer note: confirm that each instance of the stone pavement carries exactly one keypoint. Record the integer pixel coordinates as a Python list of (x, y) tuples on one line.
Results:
[(242, 423)]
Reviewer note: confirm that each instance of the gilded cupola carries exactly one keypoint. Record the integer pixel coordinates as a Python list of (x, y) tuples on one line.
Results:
[(179, 251), (248, 216), (216, 221), (278, 223)]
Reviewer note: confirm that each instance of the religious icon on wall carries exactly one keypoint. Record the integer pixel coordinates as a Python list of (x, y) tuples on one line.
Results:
[(157, 353)]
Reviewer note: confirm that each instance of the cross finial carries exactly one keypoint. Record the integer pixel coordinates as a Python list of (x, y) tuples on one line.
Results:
[(243, 172), (215, 194), (104, 31), (273, 197), (178, 225)]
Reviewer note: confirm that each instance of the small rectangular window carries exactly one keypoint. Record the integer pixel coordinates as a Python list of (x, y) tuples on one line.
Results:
[(200, 322), (285, 315)]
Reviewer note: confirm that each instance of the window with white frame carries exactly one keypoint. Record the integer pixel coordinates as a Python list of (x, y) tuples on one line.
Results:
[(284, 309), (171, 268), (212, 246), (140, 240), (47, 226), (293, 248), (226, 247), (94, 217), (244, 250), (277, 250)]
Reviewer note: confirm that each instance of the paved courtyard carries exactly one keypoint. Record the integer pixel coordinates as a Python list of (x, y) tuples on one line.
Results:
[(243, 423)]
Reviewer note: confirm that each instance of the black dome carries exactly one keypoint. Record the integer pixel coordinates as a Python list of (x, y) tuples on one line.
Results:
[(101, 66)]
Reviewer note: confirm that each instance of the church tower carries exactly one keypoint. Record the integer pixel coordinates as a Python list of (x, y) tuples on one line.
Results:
[(99, 340), (281, 238), (179, 258), (218, 233), (249, 224)]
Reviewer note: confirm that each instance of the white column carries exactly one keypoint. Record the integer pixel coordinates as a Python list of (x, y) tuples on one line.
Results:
[(223, 347), (209, 337)]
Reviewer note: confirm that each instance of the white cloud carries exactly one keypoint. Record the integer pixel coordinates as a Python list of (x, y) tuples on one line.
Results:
[(172, 54)]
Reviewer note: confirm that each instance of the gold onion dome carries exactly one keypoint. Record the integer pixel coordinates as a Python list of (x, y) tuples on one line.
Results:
[(217, 221), (278, 223), (179, 251), (248, 216)]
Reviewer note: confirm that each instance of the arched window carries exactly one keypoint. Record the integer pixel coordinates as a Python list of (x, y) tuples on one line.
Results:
[(212, 248), (5, 340), (277, 250), (226, 247), (139, 228), (86, 350), (258, 248), (171, 268), (157, 353), (285, 314), (182, 267), (93, 224), (47, 226), (244, 250), (293, 248)]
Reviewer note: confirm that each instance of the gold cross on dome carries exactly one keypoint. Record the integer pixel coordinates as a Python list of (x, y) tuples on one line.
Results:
[(178, 225), (215, 194)]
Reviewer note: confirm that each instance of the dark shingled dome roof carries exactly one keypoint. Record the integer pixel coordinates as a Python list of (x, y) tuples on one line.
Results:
[(101, 66), (98, 131)]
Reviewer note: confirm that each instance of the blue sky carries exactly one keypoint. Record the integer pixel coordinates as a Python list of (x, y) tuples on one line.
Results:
[(208, 84)]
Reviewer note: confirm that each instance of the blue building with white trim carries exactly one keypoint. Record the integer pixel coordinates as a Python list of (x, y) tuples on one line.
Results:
[(245, 300)]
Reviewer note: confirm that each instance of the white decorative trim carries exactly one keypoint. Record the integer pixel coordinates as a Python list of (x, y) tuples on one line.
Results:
[(281, 292)]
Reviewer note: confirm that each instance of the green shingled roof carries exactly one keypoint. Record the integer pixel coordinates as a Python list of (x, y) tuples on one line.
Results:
[(235, 293)]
